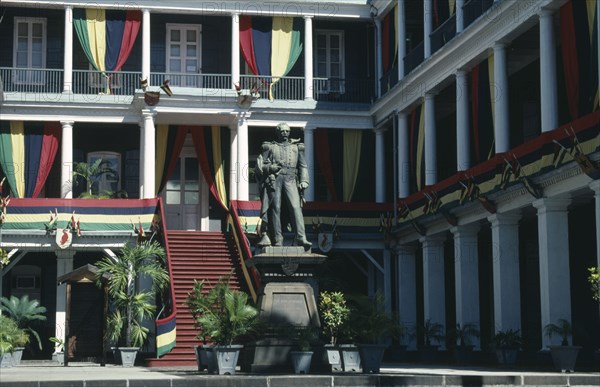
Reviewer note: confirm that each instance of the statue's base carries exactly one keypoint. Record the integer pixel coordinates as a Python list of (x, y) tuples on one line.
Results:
[(284, 259)]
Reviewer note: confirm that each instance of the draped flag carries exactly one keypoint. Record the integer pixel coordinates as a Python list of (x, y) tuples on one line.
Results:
[(270, 46), (482, 105), (442, 10), (322, 153), (352, 146), (169, 143), (107, 37), (417, 148), (389, 41), (207, 142), (579, 47), (27, 155)]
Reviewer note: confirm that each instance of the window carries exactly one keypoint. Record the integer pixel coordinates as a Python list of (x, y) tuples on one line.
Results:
[(330, 61), (29, 50), (184, 48), (97, 80), (106, 182)]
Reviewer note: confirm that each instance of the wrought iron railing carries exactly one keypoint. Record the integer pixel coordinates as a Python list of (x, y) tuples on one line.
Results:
[(21, 80), (444, 33), (473, 9), (414, 58), (97, 82), (344, 90), (285, 88), (195, 81), (389, 79)]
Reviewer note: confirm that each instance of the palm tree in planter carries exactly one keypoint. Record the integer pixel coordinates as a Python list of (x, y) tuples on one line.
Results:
[(432, 332), (303, 338), (228, 318), (463, 335), (507, 343), (334, 315), (25, 313), (199, 303), (132, 306), (564, 355), (11, 337)]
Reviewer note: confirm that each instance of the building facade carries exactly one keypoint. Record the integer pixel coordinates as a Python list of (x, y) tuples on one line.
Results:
[(453, 146)]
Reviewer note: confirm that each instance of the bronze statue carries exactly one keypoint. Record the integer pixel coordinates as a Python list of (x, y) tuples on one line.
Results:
[(282, 173)]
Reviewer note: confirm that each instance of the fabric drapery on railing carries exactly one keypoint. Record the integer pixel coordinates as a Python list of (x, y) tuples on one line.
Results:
[(27, 155), (207, 143), (107, 37), (417, 148), (270, 46), (442, 10), (169, 144), (482, 87), (579, 47), (352, 147), (323, 158)]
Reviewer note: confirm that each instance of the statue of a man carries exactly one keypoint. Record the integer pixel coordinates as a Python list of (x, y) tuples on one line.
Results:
[(282, 173)]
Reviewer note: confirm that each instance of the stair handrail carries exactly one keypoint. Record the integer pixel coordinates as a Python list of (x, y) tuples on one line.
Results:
[(244, 252), (166, 327)]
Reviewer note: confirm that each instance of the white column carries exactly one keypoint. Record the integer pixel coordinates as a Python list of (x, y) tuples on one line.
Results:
[(466, 272), (64, 265), (235, 168), (548, 82), (427, 27), (463, 148), (401, 38), (66, 160), (308, 58), (407, 291), (505, 254), (147, 155), (430, 140), (555, 283), (434, 293), (378, 57), (68, 51), (146, 44), (501, 128), (309, 156), (403, 156), (235, 49), (460, 16), (595, 186), (242, 143), (379, 165)]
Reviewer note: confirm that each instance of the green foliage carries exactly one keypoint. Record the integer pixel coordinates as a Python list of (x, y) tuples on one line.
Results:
[(60, 344), (24, 312), (507, 339), (133, 306), (304, 337), (92, 173), (11, 336), (594, 280), (431, 331), (334, 313), (562, 329), (228, 316), (463, 333), (370, 320), (4, 260), (199, 304)]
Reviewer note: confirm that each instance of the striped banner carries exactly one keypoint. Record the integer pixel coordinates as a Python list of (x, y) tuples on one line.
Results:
[(166, 331), (92, 215)]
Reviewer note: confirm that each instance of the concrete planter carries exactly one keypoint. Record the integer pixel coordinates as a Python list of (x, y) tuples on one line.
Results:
[(128, 355), (564, 357), (6, 360), (351, 358), (301, 361), (17, 355), (334, 358), (371, 356), (227, 358), (507, 356), (205, 356)]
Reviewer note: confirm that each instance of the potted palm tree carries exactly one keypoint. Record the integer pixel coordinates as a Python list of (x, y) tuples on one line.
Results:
[(564, 355), (60, 349), (9, 333), (463, 335), (372, 324), (432, 332), (198, 303), (334, 314), (507, 343), (228, 318), (132, 305), (303, 338), (25, 313)]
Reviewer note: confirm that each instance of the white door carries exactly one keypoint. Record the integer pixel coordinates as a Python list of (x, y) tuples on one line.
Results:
[(184, 47), (183, 195)]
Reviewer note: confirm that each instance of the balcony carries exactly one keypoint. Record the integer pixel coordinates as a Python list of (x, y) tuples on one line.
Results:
[(125, 83), (473, 9), (414, 58), (443, 34)]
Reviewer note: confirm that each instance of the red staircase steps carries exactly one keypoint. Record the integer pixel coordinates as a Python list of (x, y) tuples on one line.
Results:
[(196, 255)]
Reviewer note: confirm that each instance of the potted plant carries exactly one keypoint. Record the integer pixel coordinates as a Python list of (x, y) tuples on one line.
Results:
[(92, 173), (594, 280), (372, 324), (198, 303), (24, 312), (8, 332), (59, 347), (132, 305), (334, 314), (301, 357), (564, 355), (462, 335), (507, 343), (432, 332), (229, 317)]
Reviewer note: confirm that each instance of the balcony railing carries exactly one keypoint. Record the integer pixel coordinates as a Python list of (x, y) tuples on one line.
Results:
[(389, 79), (286, 88), (473, 9), (444, 33), (19, 80), (414, 58), (196, 81), (114, 83), (344, 90)]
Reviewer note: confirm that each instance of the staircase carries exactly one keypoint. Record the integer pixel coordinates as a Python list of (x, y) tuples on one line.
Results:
[(196, 255)]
